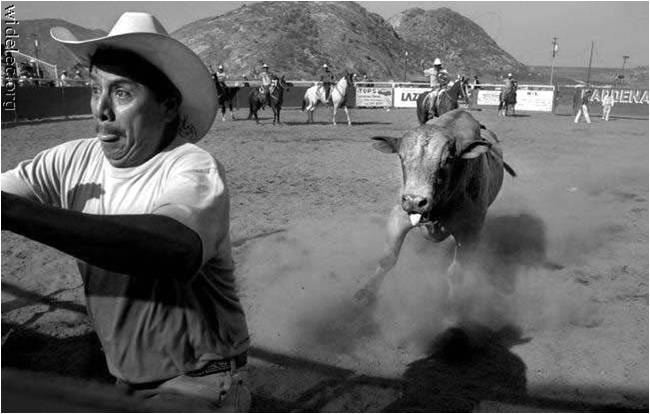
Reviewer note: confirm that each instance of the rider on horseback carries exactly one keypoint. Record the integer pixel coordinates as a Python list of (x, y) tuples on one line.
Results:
[(327, 79), (268, 80), (221, 76), (439, 79), (510, 82)]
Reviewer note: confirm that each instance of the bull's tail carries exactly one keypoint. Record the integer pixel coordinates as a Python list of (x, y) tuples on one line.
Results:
[(509, 169)]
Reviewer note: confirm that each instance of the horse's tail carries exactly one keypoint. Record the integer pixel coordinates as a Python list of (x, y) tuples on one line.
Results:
[(304, 103)]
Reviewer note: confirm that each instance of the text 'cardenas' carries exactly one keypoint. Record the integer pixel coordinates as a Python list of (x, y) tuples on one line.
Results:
[(10, 73)]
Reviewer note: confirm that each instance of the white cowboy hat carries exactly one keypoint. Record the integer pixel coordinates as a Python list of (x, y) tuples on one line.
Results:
[(510, 75), (324, 65), (265, 66), (144, 35), (220, 67), (437, 62)]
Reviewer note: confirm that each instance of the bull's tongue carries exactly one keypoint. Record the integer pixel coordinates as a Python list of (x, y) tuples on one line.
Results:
[(415, 218)]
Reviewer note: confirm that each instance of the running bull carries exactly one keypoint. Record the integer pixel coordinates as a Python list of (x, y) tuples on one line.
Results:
[(452, 171)]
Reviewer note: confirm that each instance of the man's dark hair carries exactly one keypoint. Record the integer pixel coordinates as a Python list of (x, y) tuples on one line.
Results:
[(133, 66)]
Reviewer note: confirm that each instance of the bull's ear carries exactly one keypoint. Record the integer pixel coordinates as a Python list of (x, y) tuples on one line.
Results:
[(386, 144), (474, 149)]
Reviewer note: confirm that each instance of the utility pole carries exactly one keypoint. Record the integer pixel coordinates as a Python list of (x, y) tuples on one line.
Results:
[(553, 61), (625, 58), (591, 55)]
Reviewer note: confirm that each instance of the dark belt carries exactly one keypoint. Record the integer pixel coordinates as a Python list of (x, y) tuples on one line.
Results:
[(220, 365), (212, 367)]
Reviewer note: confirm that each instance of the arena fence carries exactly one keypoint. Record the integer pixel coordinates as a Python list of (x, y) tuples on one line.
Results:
[(26, 103)]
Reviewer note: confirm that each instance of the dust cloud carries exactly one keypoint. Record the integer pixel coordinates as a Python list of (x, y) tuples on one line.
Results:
[(298, 287)]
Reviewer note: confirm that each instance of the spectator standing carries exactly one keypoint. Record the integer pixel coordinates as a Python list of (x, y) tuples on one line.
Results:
[(476, 86), (608, 104), (63, 79), (582, 108)]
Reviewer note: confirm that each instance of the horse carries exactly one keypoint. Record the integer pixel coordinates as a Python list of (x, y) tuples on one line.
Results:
[(338, 93), (256, 99), (225, 95), (447, 100), (507, 99)]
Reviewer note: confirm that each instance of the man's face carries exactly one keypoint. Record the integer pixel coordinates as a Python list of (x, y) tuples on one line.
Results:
[(130, 122)]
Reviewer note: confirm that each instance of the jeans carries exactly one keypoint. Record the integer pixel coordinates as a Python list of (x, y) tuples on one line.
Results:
[(220, 392)]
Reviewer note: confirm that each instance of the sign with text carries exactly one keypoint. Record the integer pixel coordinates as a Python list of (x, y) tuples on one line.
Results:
[(529, 98), (488, 97), (535, 99), (407, 97), (374, 97), (623, 96)]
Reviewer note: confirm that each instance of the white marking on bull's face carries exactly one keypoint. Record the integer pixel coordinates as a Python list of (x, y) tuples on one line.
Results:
[(424, 158)]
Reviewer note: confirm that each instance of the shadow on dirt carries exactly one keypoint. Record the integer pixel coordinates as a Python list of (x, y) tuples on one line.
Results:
[(509, 243), (465, 366)]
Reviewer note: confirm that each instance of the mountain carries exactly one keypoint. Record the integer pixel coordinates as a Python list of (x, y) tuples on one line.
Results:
[(48, 49), (296, 39), (463, 46)]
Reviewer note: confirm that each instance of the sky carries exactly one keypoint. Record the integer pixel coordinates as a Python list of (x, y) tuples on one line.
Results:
[(523, 29)]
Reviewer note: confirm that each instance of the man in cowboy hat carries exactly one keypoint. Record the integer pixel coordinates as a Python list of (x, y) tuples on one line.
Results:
[(438, 80), (146, 213), (327, 79), (267, 79), (510, 82)]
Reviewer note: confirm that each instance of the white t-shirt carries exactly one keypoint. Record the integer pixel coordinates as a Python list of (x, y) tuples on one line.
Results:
[(151, 328)]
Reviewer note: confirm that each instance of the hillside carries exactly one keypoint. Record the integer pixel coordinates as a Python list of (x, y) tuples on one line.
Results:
[(296, 38), (48, 49), (463, 45)]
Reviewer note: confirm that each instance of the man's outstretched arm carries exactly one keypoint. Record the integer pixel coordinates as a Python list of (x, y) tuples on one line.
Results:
[(144, 244)]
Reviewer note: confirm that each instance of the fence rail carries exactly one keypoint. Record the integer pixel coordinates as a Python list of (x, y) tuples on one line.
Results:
[(25, 103)]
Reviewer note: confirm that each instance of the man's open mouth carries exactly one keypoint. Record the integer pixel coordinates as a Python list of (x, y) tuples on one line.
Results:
[(108, 137)]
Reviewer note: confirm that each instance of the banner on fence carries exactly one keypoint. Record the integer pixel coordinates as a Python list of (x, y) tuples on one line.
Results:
[(374, 97), (529, 98), (488, 97), (407, 97), (535, 99), (624, 96)]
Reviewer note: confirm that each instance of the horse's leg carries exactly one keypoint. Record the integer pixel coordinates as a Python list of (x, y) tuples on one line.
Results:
[(334, 114), (347, 114)]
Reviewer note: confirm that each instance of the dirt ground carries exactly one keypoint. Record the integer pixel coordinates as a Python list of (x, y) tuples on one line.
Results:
[(555, 317)]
